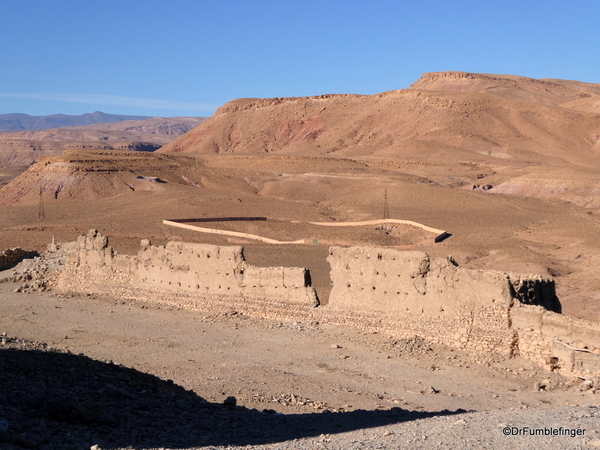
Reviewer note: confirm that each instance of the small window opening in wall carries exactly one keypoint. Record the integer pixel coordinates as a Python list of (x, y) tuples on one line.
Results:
[(376, 272), (208, 256), (178, 283), (348, 285), (197, 286), (219, 286), (374, 288), (379, 256)]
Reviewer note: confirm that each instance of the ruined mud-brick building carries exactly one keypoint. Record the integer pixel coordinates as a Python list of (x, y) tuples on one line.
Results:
[(403, 293)]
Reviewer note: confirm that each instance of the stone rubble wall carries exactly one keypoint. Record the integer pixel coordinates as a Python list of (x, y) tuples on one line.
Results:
[(401, 293), (11, 257), (557, 342)]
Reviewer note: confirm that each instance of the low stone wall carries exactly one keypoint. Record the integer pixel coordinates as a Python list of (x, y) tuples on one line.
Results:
[(402, 293), (11, 257)]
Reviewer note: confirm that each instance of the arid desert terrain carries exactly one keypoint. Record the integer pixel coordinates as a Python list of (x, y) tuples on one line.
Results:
[(507, 165)]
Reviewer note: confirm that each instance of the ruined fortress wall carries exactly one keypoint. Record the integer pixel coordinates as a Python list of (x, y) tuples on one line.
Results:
[(196, 268), (406, 293), (11, 257), (435, 299), (402, 293)]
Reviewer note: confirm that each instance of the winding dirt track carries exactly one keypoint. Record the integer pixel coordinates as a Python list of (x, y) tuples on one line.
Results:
[(440, 234)]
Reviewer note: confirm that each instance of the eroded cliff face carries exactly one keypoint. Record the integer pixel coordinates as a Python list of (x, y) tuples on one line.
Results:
[(403, 293)]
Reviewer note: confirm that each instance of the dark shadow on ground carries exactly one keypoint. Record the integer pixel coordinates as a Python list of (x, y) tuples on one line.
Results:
[(53, 400)]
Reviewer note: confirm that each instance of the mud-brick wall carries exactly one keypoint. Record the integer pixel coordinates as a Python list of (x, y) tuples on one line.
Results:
[(555, 341), (206, 269), (11, 257), (435, 299), (179, 266), (211, 269)]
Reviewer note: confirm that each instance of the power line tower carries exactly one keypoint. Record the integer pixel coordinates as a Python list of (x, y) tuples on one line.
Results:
[(41, 209), (386, 208)]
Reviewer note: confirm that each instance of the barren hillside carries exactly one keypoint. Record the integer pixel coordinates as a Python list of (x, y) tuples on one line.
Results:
[(443, 117)]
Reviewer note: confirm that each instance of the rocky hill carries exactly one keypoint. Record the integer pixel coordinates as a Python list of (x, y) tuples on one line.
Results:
[(24, 147), (443, 116)]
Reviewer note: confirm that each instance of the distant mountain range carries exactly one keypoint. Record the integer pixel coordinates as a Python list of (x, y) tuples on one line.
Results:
[(22, 148), (22, 122)]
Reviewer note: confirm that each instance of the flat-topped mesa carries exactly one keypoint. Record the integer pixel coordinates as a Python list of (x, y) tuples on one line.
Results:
[(541, 90), (476, 113), (257, 103)]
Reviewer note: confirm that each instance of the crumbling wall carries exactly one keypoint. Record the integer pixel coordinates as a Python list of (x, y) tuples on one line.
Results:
[(555, 341), (407, 293), (435, 299), (403, 293), (11, 257), (198, 268)]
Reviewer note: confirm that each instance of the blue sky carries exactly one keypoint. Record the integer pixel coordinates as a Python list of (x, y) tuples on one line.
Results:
[(188, 57)]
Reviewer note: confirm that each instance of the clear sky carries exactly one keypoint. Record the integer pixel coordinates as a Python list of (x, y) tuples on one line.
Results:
[(188, 57)]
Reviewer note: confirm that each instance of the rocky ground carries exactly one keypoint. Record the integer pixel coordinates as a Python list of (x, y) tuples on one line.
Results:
[(82, 372)]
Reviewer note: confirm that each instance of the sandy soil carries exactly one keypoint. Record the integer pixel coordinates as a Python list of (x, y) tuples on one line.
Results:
[(507, 165), (303, 370), (112, 192)]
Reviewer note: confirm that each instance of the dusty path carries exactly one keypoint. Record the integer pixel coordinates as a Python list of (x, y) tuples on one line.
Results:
[(298, 369)]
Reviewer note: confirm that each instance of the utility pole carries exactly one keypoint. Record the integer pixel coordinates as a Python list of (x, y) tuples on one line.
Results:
[(41, 209), (386, 208)]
